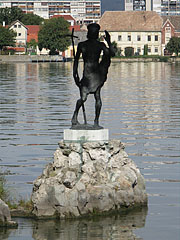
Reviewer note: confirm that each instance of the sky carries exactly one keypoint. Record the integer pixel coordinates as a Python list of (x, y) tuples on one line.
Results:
[(112, 5)]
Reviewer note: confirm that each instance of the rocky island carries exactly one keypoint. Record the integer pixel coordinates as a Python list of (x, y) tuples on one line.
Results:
[(88, 178)]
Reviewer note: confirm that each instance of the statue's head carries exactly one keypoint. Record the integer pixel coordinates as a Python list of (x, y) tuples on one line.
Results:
[(93, 31)]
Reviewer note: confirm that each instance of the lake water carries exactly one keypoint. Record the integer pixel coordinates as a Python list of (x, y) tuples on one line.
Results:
[(141, 106)]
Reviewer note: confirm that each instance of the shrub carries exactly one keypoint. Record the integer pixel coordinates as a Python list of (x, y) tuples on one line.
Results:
[(129, 51), (145, 49), (3, 189)]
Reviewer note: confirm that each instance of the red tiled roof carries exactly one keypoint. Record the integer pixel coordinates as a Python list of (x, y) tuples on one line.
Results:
[(76, 28), (66, 17), (118, 21), (17, 49), (32, 32)]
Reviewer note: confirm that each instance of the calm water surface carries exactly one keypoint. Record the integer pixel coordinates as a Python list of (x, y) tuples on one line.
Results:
[(141, 106)]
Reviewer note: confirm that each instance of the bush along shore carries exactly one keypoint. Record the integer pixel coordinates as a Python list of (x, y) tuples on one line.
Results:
[(5, 215)]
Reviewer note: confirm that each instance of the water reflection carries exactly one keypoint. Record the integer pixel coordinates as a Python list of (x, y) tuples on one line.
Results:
[(141, 106), (116, 227)]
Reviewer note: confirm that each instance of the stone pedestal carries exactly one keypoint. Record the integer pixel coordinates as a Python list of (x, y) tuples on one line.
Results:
[(88, 177), (86, 135)]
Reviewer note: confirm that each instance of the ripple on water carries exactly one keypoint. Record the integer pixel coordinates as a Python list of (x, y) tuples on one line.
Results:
[(141, 106)]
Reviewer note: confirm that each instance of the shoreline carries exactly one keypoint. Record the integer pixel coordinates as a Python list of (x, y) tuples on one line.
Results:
[(32, 58), (57, 58)]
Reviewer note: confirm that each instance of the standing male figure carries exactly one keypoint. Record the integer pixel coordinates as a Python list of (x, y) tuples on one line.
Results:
[(95, 72)]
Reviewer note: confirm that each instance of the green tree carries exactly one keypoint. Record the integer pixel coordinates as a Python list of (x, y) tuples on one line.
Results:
[(173, 45), (114, 44), (31, 19), (129, 51), (54, 35), (7, 37), (145, 49), (9, 15), (32, 45)]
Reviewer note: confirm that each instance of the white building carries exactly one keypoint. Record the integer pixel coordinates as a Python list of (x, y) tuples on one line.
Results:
[(134, 29), (21, 31), (162, 7), (138, 5), (84, 11)]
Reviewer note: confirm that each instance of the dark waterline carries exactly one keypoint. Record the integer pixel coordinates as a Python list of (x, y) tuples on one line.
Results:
[(141, 106)]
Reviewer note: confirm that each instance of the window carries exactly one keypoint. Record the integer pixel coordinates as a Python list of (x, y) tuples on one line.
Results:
[(149, 38), (19, 26), (156, 50), (167, 39), (149, 50), (119, 38), (138, 49), (138, 38), (15, 26), (129, 38), (19, 34), (168, 29), (156, 37)]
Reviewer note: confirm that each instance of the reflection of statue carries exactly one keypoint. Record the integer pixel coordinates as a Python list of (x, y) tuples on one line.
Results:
[(95, 72)]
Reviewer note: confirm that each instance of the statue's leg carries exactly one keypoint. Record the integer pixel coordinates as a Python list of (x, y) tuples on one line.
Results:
[(78, 106), (98, 105)]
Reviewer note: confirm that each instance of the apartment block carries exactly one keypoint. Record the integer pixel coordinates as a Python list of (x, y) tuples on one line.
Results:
[(170, 7), (83, 11), (138, 5), (162, 7)]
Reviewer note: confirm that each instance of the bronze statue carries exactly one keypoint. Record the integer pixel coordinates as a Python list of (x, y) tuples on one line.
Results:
[(94, 73)]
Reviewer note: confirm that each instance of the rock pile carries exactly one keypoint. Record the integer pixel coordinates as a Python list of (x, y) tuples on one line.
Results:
[(88, 178)]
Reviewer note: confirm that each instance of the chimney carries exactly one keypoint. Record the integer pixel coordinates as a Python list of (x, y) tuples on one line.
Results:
[(4, 24)]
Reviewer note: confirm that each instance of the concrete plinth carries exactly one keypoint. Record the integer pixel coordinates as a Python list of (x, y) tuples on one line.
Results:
[(86, 135)]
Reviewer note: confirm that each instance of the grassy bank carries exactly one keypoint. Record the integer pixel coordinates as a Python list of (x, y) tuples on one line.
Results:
[(17, 207)]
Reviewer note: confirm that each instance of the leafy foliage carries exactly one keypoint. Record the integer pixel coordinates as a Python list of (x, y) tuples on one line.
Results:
[(33, 44), (129, 51), (145, 49), (7, 37), (31, 19), (9, 15), (3, 188), (54, 35), (173, 45)]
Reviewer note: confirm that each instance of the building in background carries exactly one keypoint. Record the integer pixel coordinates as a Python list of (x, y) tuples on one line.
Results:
[(134, 29), (83, 11), (143, 5), (170, 28), (162, 7), (170, 7)]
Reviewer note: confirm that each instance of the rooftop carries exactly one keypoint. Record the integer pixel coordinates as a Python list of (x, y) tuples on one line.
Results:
[(175, 20), (131, 21)]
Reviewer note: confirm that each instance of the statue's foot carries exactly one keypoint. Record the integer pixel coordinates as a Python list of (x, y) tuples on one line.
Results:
[(96, 125), (74, 122)]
